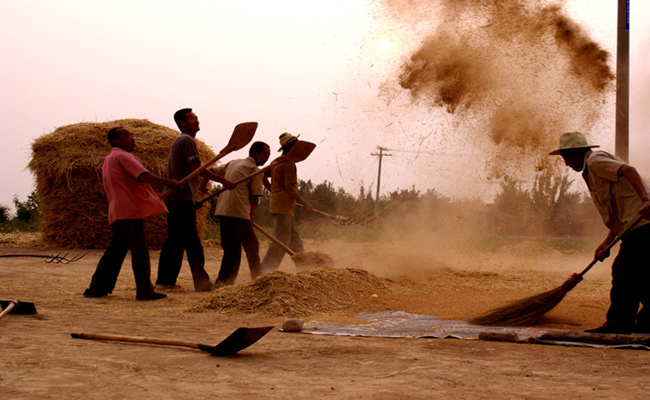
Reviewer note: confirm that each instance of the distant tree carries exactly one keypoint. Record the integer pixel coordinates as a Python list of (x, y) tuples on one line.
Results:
[(549, 207), (27, 211), (365, 201), (549, 192), (555, 204), (405, 195), (435, 200), (512, 199), (4, 214)]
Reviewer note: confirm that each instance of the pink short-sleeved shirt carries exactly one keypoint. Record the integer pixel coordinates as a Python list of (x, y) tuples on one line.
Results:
[(128, 198)]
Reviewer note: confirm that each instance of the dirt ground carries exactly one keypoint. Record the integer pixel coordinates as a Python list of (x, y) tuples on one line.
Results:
[(39, 359)]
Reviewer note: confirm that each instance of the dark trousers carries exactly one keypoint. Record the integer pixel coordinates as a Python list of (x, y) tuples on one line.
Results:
[(127, 234), (631, 283), (235, 234), (182, 236), (284, 229)]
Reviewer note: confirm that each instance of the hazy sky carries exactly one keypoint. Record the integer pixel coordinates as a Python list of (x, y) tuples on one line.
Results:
[(312, 67)]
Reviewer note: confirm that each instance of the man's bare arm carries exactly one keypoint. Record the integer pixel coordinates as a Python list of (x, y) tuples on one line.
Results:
[(293, 192), (148, 177)]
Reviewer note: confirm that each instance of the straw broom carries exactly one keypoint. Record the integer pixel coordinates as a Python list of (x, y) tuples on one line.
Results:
[(529, 310)]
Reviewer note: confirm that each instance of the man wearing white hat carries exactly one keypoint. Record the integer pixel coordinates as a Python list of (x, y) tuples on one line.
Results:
[(282, 204), (621, 196)]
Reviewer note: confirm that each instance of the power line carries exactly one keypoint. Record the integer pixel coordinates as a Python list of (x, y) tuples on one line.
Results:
[(380, 155)]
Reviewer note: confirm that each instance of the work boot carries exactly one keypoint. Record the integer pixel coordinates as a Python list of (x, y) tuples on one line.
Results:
[(150, 296), (94, 293), (607, 328), (204, 287), (641, 328), (169, 287)]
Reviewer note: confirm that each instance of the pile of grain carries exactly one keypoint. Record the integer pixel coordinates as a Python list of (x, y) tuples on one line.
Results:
[(67, 166), (312, 259), (304, 293)]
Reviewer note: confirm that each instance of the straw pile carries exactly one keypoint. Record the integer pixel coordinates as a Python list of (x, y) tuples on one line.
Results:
[(67, 166), (312, 259), (304, 293)]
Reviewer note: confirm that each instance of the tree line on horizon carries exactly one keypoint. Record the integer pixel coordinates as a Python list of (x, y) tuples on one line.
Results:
[(547, 207)]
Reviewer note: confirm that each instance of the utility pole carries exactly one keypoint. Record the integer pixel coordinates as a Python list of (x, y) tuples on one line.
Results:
[(623, 81), (380, 155)]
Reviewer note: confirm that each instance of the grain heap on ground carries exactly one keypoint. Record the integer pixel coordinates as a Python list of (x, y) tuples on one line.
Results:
[(304, 293), (312, 259), (67, 164)]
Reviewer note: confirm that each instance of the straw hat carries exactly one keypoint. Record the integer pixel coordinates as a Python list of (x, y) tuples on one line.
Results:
[(572, 140), (287, 138)]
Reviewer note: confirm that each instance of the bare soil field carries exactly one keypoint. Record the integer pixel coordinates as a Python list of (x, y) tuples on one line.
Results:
[(39, 359)]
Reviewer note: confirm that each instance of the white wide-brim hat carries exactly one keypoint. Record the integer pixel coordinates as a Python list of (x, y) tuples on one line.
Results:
[(287, 138), (572, 140)]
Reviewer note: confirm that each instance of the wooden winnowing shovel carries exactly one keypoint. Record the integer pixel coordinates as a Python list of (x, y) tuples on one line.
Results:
[(305, 260), (299, 152), (324, 214), (241, 136), (238, 340), (17, 307), (274, 239)]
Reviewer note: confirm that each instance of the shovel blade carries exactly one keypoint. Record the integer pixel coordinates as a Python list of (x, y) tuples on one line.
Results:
[(23, 307), (241, 136), (299, 152), (239, 340)]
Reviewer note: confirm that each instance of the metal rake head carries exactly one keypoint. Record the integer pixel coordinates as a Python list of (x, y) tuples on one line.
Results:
[(63, 259)]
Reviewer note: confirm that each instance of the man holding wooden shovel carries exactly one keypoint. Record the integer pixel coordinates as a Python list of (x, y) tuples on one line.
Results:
[(182, 235), (623, 201), (282, 204), (235, 210)]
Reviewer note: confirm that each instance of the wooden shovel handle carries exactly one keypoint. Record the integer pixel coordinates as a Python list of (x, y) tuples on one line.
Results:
[(196, 172), (298, 153), (134, 339), (241, 136), (7, 309), (324, 214), (274, 239), (242, 180)]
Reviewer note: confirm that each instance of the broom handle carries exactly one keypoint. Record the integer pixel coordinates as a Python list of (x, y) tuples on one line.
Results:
[(611, 244)]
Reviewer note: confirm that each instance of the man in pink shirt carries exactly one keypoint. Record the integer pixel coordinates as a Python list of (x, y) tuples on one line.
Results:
[(131, 198)]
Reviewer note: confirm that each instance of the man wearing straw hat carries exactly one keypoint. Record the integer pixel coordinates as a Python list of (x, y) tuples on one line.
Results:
[(182, 235), (621, 196), (235, 211), (130, 199), (282, 204)]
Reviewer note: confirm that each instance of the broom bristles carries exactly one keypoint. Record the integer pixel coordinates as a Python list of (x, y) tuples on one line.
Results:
[(529, 310)]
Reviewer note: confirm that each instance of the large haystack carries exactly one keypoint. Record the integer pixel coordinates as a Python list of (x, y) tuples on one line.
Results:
[(67, 166)]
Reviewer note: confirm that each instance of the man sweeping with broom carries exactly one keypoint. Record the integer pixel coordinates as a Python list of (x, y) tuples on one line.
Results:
[(622, 199), (620, 195)]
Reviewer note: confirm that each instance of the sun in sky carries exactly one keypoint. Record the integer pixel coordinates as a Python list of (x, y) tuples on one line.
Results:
[(383, 44)]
